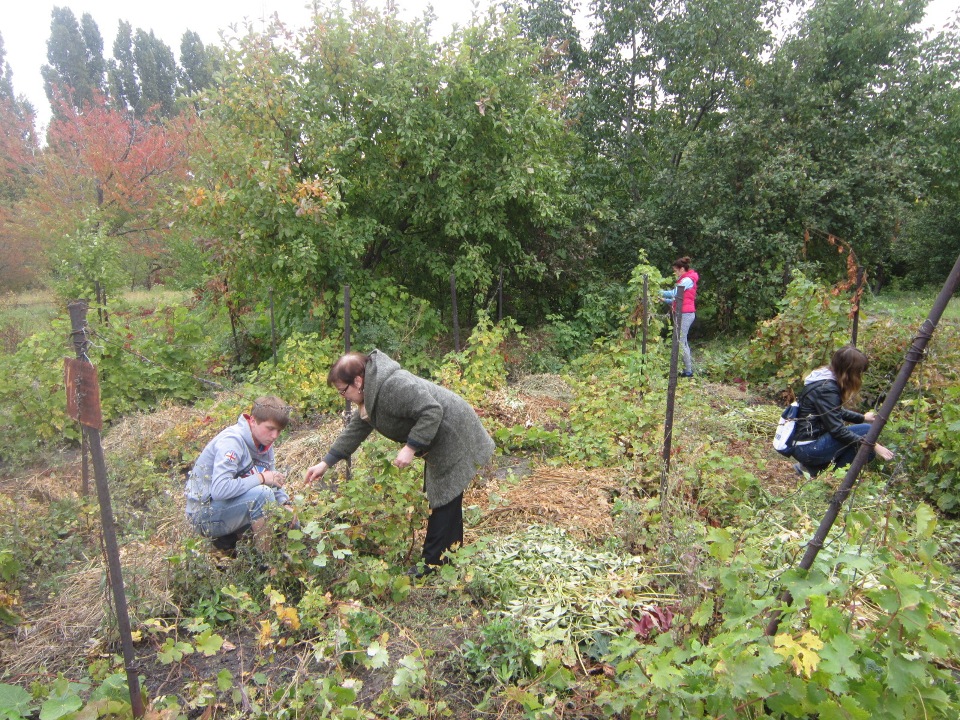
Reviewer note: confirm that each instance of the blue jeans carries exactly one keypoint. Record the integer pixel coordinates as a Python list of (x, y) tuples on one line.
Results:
[(686, 320), (826, 449), (222, 517)]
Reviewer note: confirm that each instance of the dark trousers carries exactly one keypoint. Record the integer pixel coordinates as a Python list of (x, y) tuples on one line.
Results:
[(444, 530)]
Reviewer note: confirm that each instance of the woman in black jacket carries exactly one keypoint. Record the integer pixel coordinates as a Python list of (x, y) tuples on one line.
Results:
[(821, 435)]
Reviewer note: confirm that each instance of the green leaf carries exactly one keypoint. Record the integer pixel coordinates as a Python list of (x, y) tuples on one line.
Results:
[(224, 680), (59, 707), (14, 701), (926, 521), (703, 614), (208, 643), (721, 543), (379, 657)]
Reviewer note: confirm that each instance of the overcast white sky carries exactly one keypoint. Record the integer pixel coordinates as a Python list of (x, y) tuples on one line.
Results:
[(25, 25)]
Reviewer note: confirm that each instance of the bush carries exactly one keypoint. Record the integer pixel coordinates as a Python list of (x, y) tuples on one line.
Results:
[(811, 323)]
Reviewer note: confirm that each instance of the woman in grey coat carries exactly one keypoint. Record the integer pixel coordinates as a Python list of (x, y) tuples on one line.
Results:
[(431, 422)]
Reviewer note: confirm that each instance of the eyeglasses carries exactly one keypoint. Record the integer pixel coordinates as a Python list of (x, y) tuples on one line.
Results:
[(343, 390)]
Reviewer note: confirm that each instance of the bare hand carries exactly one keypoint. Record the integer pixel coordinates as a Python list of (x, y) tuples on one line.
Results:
[(315, 472), (273, 478), (883, 452), (869, 416), (404, 457)]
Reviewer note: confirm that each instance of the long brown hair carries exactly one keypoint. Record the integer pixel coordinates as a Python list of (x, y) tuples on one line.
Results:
[(848, 366), (348, 368)]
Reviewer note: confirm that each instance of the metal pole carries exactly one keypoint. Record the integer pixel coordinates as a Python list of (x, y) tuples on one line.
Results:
[(856, 311), (346, 349), (912, 357), (78, 314), (84, 464), (646, 296), (500, 298), (456, 317), (671, 396), (273, 330)]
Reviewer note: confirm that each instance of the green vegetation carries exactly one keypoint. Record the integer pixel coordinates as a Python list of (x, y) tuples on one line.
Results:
[(580, 589), (512, 160)]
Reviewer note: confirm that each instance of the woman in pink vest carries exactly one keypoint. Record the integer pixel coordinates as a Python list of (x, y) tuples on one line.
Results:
[(688, 279)]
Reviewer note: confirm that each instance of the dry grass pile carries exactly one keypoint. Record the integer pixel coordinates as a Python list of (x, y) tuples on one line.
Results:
[(535, 400), (46, 487), (550, 386), (299, 450), (138, 433), (574, 499), (73, 625)]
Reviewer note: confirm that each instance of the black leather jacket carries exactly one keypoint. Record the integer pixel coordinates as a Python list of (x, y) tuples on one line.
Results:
[(821, 411)]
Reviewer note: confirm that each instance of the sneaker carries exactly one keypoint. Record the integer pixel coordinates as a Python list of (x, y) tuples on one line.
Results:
[(686, 374)]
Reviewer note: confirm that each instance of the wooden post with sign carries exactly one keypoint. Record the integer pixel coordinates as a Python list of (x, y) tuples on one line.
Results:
[(83, 405)]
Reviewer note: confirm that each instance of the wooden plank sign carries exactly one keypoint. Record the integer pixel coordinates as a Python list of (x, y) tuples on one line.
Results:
[(83, 392)]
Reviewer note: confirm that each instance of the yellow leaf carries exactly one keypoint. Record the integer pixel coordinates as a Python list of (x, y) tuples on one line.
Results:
[(266, 633), (802, 654)]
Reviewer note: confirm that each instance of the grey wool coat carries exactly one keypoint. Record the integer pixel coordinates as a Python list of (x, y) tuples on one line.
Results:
[(440, 425)]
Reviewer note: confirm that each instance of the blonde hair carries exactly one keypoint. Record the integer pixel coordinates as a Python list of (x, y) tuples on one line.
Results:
[(848, 366)]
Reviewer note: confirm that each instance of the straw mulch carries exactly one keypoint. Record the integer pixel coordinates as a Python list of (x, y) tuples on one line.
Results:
[(535, 400), (71, 626), (574, 499)]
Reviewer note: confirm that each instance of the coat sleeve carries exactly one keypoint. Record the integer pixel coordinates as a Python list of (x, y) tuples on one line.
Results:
[(349, 440), (830, 410), (851, 416)]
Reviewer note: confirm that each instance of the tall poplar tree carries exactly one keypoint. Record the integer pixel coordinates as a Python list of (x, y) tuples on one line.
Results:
[(124, 85), (197, 64), (157, 71), (75, 54)]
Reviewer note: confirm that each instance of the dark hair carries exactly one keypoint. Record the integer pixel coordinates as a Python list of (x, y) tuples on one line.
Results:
[(848, 366), (269, 408), (682, 263), (347, 368)]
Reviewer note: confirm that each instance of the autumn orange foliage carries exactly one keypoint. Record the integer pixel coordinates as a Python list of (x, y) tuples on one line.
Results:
[(856, 277), (105, 164)]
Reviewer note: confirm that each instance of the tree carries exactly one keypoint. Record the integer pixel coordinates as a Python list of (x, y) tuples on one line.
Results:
[(552, 24), (107, 171), (366, 151), (124, 85), (661, 78), (157, 72), (197, 65), (18, 151), (821, 143), (76, 69)]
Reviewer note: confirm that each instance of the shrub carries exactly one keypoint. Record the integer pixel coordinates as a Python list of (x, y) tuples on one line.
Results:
[(811, 323)]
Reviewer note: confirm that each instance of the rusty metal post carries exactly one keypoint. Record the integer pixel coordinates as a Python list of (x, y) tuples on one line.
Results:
[(671, 395), (500, 298), (84, 461), (346, 349), (273, 331), (911, 359), (456, 317), (646, 314), (78, 313), (858, 294)]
